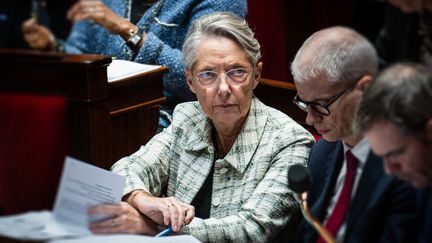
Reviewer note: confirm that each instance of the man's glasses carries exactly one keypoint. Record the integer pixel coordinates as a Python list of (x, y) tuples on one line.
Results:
[(236, 75), (321, 109)]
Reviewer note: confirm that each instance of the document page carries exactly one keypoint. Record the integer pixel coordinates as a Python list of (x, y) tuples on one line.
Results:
[(120, 69), (83, 186), (123, 238), (33, 226)]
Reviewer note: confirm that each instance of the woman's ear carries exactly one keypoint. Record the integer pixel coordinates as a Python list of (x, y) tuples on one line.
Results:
[(257, 74), (189, 79)]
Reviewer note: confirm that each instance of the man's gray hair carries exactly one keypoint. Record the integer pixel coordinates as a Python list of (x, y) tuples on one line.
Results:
[(337, 54), (220, 24), (402, 95)]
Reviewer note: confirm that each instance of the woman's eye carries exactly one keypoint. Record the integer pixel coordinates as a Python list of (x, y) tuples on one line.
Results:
[(238, 72), (207, 75)]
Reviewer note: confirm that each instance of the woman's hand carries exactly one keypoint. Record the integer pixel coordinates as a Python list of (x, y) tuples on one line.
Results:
[(123, 218), (166, 210), (38, 36), (101, 14)]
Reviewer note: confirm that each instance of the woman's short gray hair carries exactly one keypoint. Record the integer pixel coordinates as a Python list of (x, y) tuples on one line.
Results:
[(220, 24), (345, 58)]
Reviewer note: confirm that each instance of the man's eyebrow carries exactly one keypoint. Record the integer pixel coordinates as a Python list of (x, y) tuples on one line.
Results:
[(315, 100), (393, 152)]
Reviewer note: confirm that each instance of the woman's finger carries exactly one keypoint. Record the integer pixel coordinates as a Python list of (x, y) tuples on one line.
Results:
[(175, 216), (166, 212), (190, 213)]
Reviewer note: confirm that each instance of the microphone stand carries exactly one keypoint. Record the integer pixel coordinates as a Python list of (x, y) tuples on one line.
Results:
[(322, 231)]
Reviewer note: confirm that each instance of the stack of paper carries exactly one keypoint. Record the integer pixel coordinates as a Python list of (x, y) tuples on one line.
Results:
[(120, 69), (82, 186)]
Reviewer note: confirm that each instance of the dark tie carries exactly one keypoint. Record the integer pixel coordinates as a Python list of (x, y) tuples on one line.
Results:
[(337, 216)]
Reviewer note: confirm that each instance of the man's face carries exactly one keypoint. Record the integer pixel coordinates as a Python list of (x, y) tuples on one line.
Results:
[(404, 155), (337, 125)]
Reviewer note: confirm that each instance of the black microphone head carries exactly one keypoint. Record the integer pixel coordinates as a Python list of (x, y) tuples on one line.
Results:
[(299, 179)]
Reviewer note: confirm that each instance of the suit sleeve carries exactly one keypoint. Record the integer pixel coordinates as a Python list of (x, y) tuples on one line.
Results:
[(146, 169), (402, 223)]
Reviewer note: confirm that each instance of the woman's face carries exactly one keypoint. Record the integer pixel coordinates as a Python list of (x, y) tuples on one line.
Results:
[(223, 79)]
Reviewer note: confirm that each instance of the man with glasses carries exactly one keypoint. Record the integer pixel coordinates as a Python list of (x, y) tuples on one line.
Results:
[(350, 192)]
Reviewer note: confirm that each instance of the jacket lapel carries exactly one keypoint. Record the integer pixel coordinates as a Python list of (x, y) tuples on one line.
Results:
[(249, 137), (372, 177), (334, 164), (195, 161)]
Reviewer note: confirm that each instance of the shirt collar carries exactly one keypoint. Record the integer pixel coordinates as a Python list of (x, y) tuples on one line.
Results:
[(360, 151)]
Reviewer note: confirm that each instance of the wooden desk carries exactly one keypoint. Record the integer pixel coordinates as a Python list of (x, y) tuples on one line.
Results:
[(106, 120)]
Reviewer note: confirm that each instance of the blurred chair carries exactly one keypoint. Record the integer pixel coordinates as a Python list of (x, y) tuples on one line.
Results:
[(33, 145)]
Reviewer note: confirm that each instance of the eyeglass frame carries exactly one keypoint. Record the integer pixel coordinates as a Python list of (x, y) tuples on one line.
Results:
[(248, 71), (296, 100)]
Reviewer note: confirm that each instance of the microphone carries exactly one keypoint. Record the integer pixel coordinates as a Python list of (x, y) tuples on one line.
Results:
[(299, 181)]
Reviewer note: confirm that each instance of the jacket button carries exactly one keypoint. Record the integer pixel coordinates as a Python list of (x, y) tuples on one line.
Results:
[(223, 170), (216, 201), (210, 149)]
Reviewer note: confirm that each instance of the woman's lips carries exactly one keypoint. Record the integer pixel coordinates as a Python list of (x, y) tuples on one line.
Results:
[(225, 105)]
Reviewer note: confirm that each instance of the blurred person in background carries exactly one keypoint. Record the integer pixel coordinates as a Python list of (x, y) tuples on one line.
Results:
[(395, 115), (143, 31)]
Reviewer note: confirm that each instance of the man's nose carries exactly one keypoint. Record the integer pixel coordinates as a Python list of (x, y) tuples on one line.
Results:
[(390, 166), (312, 116)]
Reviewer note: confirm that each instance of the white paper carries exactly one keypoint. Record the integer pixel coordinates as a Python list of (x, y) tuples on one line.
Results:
[(123, 238), (120, 69), (83, 186), (39, 225)]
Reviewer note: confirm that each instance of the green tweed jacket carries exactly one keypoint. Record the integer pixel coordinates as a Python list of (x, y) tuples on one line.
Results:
[(251, 201)]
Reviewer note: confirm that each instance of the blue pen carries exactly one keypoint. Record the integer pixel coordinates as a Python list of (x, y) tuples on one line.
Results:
[(165, 232)]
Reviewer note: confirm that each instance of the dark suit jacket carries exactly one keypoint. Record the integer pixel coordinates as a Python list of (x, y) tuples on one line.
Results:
[(383, 209), (424, 201)]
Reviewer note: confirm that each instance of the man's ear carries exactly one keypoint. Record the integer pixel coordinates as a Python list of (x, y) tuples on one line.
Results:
[(364, 82), (257, 74), (189, 79), (429, 130)]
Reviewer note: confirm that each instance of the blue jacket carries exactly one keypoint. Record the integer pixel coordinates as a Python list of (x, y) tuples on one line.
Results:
[(383, 208), (164, 43)]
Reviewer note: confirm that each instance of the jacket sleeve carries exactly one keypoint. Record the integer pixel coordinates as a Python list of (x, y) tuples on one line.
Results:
[(145, 169), (77, 41)]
